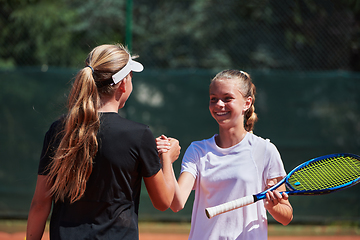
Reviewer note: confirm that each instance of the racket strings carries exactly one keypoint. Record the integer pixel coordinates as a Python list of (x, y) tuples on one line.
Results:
[(326, 173)]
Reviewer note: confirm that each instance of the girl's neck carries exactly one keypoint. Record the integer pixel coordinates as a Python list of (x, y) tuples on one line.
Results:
[(230, 137), (109, 106)]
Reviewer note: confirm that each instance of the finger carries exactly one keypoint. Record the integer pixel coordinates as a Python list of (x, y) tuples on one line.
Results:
[(268, 201), (274, 197), (161, 146), (285, 196), (163, 143), (163, 137), (277, 195), (268, 196), (162, 150)]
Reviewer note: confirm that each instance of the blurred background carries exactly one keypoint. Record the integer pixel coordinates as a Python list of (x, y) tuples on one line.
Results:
[(303, 56)]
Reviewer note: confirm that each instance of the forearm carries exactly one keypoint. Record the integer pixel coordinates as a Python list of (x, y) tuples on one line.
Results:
[(36, 223), (161, 185), (168, 173), (177, 203), (282, 212), (183, 188), (161, 192)]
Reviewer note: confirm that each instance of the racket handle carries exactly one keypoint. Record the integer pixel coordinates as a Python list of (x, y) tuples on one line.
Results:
[(226, 207)]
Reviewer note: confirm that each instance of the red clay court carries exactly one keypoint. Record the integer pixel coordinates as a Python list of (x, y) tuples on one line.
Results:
[(15, 230)]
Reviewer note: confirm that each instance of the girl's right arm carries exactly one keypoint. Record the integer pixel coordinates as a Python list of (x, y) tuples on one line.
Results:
[(183, 185), (183, 188), (39, 209), (161, 186)]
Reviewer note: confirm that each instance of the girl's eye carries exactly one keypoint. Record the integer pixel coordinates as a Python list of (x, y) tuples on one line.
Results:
[(213, 99)]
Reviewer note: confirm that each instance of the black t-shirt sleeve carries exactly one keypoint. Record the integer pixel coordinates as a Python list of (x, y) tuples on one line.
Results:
[(51, 142), (149, 155)]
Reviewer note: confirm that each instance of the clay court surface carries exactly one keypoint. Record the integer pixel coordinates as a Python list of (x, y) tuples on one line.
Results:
[(15, 230), (169, 236)]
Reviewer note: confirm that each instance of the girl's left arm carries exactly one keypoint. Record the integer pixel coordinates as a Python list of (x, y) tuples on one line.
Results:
[(39, 209), (278, 204)]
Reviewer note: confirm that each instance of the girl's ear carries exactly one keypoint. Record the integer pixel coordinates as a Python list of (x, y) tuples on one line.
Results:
[(122, 86), (247, 104)]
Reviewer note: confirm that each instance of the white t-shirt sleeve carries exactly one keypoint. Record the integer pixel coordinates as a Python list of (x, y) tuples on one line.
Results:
[(275, 166), (189, 161)]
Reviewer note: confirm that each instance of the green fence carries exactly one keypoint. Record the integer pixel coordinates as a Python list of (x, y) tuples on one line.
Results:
[(305, 114)]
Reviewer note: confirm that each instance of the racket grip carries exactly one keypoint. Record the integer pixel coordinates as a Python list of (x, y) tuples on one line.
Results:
[(226, 207)]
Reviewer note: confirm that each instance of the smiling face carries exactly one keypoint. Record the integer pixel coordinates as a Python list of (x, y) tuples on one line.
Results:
[(227, 104)]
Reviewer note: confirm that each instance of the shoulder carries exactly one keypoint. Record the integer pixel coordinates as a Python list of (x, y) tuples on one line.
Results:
[(116, 129), (198, 149), (114, 123), (203, 144), (59, 123), (193, 155), (262, 148), (265, 149), (109, 118), (56, 127), (257, 141)]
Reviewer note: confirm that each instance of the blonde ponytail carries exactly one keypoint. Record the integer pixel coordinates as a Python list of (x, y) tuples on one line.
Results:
[(250, 119), (72, 164), (250, 115)]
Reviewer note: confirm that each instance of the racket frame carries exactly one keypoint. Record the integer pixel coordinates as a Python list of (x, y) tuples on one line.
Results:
[(292, 191)]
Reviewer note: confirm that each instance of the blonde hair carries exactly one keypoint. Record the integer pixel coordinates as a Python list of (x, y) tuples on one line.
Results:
[(73, 160), (247, 89)]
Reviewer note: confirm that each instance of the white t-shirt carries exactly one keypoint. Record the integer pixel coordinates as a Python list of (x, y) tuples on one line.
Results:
[(225, 174)]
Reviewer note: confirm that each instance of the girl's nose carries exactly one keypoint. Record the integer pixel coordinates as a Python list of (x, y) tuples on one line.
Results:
[(220, 103)]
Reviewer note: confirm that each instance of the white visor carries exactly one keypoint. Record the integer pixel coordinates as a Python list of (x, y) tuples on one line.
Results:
[(130, 66)]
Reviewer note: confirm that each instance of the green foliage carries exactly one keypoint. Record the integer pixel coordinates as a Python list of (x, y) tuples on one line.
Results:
[(46, 27), (57, 33), (210, 34)]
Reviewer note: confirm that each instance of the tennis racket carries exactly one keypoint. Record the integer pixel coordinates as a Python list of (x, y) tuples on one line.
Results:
[(318, 176)]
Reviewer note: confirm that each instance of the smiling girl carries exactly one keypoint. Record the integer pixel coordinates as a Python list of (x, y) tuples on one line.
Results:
[(233, 163)]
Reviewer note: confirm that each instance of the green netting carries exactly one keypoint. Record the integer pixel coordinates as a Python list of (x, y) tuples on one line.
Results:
[(305, 114)]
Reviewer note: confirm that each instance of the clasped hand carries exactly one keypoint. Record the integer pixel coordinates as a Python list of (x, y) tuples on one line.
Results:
[(168, 145)]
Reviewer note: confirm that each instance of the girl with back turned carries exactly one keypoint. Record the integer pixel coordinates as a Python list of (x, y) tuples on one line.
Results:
[(93, 160)]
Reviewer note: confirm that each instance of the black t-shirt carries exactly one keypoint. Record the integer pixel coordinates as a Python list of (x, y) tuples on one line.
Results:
[(109, 208)]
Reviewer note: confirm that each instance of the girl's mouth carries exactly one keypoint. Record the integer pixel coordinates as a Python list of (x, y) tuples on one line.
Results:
[(221, 113)]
